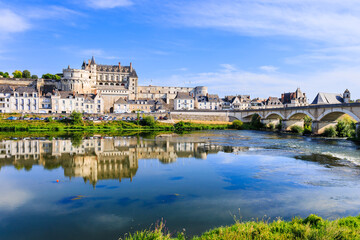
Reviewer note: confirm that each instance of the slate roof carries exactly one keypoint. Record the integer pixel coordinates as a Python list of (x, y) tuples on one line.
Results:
[(182, 95), (328, 98), (121, 101)]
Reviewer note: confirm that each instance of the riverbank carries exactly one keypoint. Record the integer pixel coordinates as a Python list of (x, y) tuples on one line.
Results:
[(312, 227)]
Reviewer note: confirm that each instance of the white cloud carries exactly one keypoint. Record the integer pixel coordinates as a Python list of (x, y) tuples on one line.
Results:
[(102, 4), (268, 68), (12, 198), (258, 84), (11, 22), (323, 20)]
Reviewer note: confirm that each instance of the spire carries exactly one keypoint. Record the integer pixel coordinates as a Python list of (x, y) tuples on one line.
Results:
[(93, 60)]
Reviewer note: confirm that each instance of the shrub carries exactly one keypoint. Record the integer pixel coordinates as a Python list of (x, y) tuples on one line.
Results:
[(237, 124), (330, 132), (307, 129), (148, 121), (297, 129), (76, 117), (343, 129), (256, 122), (272, 126)]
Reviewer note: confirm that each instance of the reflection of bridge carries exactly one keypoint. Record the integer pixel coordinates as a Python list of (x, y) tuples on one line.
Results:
[(323, 116)]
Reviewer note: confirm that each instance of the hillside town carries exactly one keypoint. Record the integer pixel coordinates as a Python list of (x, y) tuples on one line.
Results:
[(99, 89)]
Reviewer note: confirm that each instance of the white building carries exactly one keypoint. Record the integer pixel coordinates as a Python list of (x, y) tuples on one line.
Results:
[(184, 101)]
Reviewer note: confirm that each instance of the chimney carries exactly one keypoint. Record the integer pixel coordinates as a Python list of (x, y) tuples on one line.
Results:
[(89, 61), (119, 65), (131, 67)]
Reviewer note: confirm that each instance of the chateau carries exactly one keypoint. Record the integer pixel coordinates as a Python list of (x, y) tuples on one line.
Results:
[(114, 82)]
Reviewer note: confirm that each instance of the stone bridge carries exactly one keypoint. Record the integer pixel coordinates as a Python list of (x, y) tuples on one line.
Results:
[(323, 116)]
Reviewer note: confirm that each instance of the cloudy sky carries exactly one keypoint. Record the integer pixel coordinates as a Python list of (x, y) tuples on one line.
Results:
[(257, 47)]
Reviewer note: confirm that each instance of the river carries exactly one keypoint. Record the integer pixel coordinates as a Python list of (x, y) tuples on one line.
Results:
[(103, 187)]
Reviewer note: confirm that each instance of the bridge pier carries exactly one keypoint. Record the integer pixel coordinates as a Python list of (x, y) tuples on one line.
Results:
[(318, 127), (287, 124), (358, 130)]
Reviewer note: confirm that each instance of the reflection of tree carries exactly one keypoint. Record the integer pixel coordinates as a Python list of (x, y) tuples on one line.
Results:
[(76, 139)]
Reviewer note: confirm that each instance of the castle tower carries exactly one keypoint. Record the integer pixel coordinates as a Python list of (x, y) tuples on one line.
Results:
[(346, 96)]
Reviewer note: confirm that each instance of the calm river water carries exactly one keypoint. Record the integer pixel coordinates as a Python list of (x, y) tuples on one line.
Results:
[(109, 186)]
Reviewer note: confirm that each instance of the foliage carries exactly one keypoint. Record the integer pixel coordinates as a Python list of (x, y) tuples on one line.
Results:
[(17, 74), (297, 129), (272, 126), (330, 132), (312, 227), (26, 74), (34, 76), (148, 121), (188, 126), (4, 74), (76, 117), (51, 76), (255, 122), (307, 121), (343, 129), (237, 124), (307, 129)]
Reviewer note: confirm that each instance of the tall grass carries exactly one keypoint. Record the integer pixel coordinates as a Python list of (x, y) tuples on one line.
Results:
[(312, 227)]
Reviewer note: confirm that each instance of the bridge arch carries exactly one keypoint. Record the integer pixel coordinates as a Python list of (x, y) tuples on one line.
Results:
[(299, 115), (274, 115), (334, 114), (249, 116)]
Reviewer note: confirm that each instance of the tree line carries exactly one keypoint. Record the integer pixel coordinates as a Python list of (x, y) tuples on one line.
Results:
[(27, 74)]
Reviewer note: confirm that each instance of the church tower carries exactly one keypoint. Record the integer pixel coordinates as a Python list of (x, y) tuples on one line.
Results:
[(346, 96)]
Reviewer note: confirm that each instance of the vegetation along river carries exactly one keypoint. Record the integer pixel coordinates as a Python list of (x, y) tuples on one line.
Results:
[(103, 187)]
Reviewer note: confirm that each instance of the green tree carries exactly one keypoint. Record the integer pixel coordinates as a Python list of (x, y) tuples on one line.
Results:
[(1, 74), (330, 132), (6, 75), (26, 74), (256, 122), (343, 128), (148, 121), (17, 74), (51, 76), (237, 124), (76, 117), (47, 76), (34, 76)]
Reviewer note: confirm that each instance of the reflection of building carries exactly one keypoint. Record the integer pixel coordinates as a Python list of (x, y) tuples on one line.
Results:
[(100, 158)]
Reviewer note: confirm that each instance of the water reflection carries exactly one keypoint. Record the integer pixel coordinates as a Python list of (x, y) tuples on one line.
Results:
[(99, 158)]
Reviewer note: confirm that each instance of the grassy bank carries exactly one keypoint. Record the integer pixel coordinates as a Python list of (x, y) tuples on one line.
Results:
[(312, 227)]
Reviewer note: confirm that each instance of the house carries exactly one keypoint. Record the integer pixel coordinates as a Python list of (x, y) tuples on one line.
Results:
[(121, 106), (294, 99), (273, 102), (209, 102), (183, 101)]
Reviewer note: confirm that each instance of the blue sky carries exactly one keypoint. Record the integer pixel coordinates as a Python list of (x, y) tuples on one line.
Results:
[(257, 47)]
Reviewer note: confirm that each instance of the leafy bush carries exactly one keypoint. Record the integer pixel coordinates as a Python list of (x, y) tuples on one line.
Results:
[(272, 126), (330, 132), (307, 129), (343, 129), (256, 122), (148, 121), (297, 129), (237, 124), (76, 118)]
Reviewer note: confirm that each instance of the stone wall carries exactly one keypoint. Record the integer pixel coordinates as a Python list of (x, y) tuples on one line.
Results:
[(200, 116)]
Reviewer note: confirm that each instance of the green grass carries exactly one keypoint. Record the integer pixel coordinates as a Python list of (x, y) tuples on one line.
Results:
[(312, 227)]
